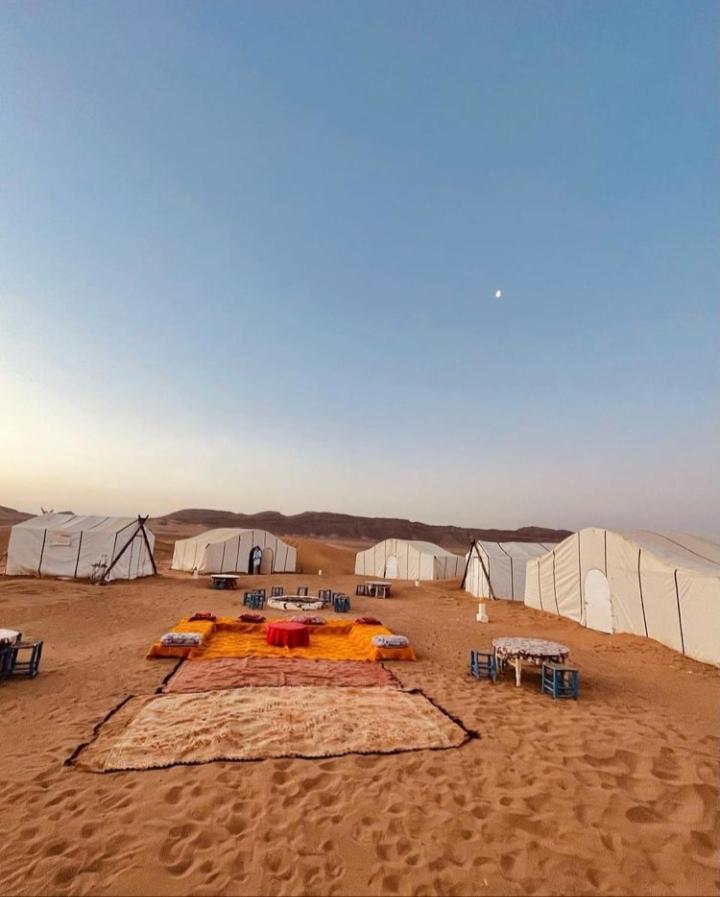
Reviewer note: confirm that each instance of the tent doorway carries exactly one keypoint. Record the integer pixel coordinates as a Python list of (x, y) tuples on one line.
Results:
[(391, 567), (255, 560), (266, 562), (598, 606)]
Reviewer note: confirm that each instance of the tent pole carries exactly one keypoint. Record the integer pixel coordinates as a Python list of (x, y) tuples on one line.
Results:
[(482, 564), (143, 521), (140, 529), (491, 590), (467, 564)]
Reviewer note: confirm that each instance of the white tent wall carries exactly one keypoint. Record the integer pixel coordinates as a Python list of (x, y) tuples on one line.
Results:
[(415, 560), (476, 581), (228, 551), (135, 559), (532, 583), (622, 568), (449, 567), (69, 545), (663, 586), (699, 602), (505, 563)]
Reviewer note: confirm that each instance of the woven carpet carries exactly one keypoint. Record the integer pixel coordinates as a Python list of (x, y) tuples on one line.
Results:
[(256, 723), (336, 640), (230, 672)]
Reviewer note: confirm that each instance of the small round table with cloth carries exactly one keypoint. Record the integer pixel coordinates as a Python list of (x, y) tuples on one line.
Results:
[(516, 649), (288, 635)]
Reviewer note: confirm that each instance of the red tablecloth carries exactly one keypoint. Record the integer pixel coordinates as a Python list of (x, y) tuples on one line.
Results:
[(288, 635)]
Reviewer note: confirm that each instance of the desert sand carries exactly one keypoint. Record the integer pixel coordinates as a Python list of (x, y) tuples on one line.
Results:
[(614, 794)]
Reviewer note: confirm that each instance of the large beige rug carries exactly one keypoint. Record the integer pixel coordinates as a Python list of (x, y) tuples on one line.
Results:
[(255, 723), (240, 672)]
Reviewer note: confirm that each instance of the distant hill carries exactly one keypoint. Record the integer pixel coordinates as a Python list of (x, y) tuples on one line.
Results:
[(9, 516), (325, 525)]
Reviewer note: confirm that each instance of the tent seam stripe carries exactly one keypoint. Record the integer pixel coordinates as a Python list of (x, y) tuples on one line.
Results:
[(642, 603), (684, 547), (677, 598)]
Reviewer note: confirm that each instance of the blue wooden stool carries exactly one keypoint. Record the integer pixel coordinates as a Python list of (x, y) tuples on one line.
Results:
[(256, 601), (482, 665), (341, 604), (29, 665), (6, 661), (559, 680), (276, 591)]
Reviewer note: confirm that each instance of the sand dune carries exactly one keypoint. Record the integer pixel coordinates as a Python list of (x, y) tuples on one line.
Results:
[(615, 794)]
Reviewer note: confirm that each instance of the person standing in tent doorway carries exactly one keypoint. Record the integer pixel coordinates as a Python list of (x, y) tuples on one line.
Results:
[(256, 560)]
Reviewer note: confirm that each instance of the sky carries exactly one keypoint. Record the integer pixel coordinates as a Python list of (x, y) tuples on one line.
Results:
[(249, 255)]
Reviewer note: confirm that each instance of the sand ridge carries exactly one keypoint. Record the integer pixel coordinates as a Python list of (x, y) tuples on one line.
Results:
[(617, 793)]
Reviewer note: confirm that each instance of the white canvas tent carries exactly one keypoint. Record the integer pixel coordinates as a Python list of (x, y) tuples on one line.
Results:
[(663, 585), (497, 569), (230, 550), (81, 547), (402, 559)]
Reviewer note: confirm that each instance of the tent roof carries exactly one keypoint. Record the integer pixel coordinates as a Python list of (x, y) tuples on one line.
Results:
[(519, 550), (422, 547), (210, 536), (687, 550), (683, 551), (77, 523)]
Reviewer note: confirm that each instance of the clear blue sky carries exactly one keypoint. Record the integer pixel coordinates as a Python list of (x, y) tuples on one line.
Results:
[(248, 255)]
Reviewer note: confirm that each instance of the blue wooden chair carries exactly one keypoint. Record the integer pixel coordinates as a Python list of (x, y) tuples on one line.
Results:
[(483, 665), (560, 680), (6, 661), (341, 603), (256, 601), (26, 664)]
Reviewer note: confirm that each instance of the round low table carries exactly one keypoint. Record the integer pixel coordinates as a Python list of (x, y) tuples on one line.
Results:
[(294, 602), (515, 650), (288, 635)]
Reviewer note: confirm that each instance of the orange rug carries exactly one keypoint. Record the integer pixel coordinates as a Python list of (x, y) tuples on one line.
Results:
[(231, 672), (336, 640)]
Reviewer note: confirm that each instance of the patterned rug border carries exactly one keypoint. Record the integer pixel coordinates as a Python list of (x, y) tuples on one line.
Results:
[(469, 735), (161, 689)]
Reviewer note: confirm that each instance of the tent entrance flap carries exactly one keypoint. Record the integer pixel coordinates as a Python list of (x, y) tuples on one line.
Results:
[(266, 562), (598, 605)]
